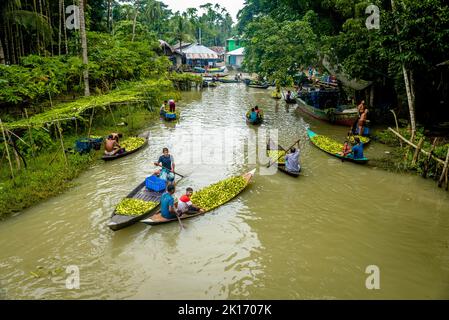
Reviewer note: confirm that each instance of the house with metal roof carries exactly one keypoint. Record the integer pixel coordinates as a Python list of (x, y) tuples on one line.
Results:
[(235, 58), (199, 55)]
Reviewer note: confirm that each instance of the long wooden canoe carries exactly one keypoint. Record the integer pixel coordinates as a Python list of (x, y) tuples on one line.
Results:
[(127, 153), (290, 101), (119, 221), (259, 86), (157, 218), (349, 157), (344, 118), (281, 165)]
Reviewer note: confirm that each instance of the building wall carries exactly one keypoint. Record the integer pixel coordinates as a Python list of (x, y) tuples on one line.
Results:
[(235, 61)]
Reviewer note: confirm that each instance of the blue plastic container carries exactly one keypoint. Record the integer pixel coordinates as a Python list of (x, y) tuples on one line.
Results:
[(170, 116), (153, 183), (83, 146)]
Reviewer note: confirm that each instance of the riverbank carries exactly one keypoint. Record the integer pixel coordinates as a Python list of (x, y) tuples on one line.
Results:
[(47, 174), (44, 171), (400, 157)]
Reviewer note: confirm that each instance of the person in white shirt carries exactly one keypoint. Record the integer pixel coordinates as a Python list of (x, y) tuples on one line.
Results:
[(185, 205)]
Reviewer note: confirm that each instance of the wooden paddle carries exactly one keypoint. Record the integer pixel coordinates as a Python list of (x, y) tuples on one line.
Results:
[(180, 223), (270, 164), (158, 165)]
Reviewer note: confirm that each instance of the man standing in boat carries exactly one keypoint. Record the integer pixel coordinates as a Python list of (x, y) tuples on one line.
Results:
[(167, 163), (292, 161)]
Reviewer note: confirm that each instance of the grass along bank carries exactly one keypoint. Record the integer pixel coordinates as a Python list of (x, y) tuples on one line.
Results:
[(400, 158)]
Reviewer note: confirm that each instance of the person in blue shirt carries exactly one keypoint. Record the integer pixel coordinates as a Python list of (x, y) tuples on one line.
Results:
[(253, 116), (292, 161), (357, 150), (168, 210), (167, 163)]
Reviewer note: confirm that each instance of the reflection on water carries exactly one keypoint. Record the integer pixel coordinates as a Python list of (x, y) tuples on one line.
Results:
[(310, 237)]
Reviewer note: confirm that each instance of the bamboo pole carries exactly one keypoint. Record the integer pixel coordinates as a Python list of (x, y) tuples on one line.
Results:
[(30, 134), (444, 173), (417, 151), (7, 150), (429, 157), (397, 125), (62, 142), (90, 122), (112, 114), (414, 146), (16, 156)]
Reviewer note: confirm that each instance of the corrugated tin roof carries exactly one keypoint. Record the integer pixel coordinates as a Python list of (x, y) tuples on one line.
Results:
[(237, 52), (219, 50), (200, 52)]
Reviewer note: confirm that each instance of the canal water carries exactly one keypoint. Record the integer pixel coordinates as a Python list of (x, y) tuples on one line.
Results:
[(283, 238)]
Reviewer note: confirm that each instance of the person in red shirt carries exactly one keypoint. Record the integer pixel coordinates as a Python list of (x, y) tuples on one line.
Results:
[(185, 205)]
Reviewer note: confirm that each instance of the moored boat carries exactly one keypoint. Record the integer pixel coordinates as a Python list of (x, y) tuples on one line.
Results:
[(127, 153), (345, 117)]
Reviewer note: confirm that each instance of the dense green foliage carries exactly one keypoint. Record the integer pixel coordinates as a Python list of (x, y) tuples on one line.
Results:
[(337, 31)]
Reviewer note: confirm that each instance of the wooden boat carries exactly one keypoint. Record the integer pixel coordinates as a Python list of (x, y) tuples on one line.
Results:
[(177, 113), (127, 153), (280, 164), (290, 101), (141, 192), (224, 80), (258, 122), (157, 219), (349, 157), (276, 95), (344, 118), (258, 86)]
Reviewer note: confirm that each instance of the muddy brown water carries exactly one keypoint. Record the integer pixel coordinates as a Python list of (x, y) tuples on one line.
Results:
[(283, 238)]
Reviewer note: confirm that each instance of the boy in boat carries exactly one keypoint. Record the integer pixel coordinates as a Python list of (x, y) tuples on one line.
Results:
[(172, 105), (357, 150), (168, 210), (292, 161), (167, 163), (163, 109), (111, 146), (185, 205), (346, 149), (289, 95)]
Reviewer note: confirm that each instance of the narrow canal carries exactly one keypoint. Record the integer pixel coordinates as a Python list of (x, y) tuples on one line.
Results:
[(283, 238)]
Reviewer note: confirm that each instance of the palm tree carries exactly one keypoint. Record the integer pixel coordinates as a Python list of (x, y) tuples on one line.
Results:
[(84, 48), (14, 20)]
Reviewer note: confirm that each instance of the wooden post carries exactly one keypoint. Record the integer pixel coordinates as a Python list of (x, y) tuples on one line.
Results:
[(90, 122), (417, 151), (7, 150), (62, 142), (30, 134), (113, 118), (414, 146), (76, 127), (444, 173), (429, 157)]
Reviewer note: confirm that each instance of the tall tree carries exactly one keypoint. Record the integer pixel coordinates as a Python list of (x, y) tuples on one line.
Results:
[(84, 49)]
